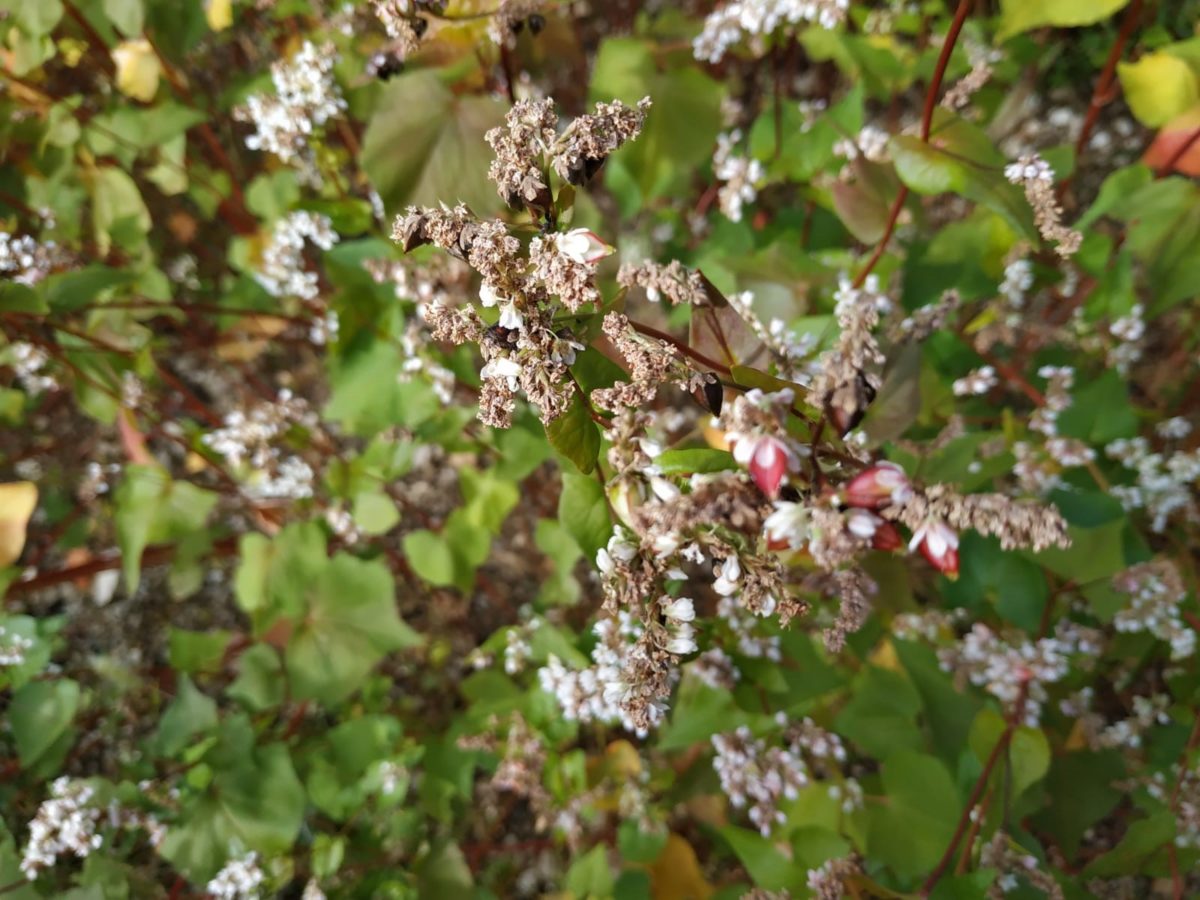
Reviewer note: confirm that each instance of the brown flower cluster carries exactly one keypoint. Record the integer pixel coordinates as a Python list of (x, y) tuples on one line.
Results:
[(848, 376), (1016, 523), (680, 285), (528, 146), (652, 363)]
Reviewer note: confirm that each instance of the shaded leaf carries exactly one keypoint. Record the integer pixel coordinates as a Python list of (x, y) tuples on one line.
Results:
[(424, 145)]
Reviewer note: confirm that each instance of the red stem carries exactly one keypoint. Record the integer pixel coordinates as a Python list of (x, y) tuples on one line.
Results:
[(681, 347), (931, 98), (1101, 95), (964, 821)]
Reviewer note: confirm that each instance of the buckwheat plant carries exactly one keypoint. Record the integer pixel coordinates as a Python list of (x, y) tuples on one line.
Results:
[(538, 448)]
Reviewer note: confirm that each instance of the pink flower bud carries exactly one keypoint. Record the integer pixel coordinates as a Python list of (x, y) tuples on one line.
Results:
[(583, 246), (887, 538), (768, 460), (878, 486), (938, 543)]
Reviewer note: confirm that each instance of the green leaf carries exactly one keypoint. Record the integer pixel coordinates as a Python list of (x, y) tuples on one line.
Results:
[(960, 159), (351, 622), (35, 17), (489, 500), (375, 512), (1017, 16), (1094, 554), (256, 803), (40, 714), (583, 511), (694, 461), (424, 145), (368, 396), (139, 500), (948, 712), (127, 15), (697, 714), (576, 436), (590, 875), (70, 290), (191, 713), (1028, 751), (259, 684), (1158, 87), (681, 126), (117, 207), (911, 829), (1089, 780), (636, 845), (430, 557), (20, 298), (770, 869), (881, 716), (196, 651), (1141, 840)]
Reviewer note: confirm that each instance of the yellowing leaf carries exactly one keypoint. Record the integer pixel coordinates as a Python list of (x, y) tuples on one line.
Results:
[(621, 758), (1017, 16), (676, 874), (1174, 135), (219, 14), (1158, 87), (17, 501), (885, 656), (138, 69)]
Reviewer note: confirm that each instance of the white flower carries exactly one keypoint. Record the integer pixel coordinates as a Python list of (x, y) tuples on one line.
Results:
[(583, 246), (788, 524), (680, 610), (510, 317), (863, 524), (663, 489), (683, 641), (502, 367), (487, 295), (240, 878), (728, 574)]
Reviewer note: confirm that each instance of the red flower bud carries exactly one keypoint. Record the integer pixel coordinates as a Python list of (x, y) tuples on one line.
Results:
[(887, 538), (877, 486), (938, 543), (768, 464)]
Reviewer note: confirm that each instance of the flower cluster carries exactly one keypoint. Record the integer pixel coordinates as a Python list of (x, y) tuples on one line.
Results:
[(1034, 174), (761, 777), (249, 439), (755, 20), (740, 176), (1015, 671), (13, 647), (529, 146), (64, 824), (1155, 591), (24, 260), (239, 879), (29, 364), (527, 350), (603, 691), (1165, 484), (306, 97), (282, 270)]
